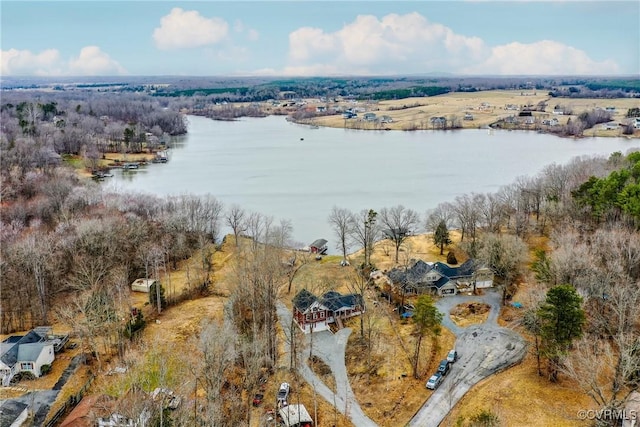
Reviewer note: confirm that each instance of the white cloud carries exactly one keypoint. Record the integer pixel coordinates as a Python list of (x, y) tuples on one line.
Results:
[(94, 62), (24, 62), (187, 29), (250, 33), (406, 43), (545, 57), (90, 62), (253, 34)]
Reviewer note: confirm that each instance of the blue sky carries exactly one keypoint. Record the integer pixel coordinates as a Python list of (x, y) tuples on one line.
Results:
[(304, 38)]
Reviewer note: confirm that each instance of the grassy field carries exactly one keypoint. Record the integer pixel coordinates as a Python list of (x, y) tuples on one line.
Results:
[(486, 107)]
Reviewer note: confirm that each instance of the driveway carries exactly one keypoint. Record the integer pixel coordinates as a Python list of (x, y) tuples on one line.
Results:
[(330, 349), (39, 402), (482, 349)]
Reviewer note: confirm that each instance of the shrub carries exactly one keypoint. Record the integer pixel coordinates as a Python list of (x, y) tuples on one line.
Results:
[(45, 369), (134, 325), (484, 418), (28, 376), (153, 296), (451, 258)]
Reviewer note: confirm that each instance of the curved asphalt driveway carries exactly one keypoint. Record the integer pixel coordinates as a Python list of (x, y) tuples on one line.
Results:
[(482, 349), (331, 349)]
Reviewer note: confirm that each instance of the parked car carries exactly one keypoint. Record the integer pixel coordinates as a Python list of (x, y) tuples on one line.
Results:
[(257, 399), (444, 366), (434, 381), (452, 356), (283, 392)]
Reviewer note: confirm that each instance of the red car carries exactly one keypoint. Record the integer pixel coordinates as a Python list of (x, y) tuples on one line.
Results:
[(257, 399)]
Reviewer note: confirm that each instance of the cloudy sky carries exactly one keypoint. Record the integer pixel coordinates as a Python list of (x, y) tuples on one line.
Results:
[(304, 38)]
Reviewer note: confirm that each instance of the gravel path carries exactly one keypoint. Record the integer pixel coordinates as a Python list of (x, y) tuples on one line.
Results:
[(331, 349), (482, 349)]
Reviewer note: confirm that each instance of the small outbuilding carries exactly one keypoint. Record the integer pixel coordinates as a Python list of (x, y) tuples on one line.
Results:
[(318, 247), (142, 285), (295, 416)]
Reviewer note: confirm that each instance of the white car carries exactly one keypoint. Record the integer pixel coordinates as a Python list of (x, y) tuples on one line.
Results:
[(283, 392), (452, 356), (434, 381)]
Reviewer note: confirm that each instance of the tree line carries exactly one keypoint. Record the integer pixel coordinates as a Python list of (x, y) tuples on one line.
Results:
[(63, 238), (38, 128)]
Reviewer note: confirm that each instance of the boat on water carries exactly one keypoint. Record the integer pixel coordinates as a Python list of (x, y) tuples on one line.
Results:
[(161, 157), (101, 175), (131, 165)]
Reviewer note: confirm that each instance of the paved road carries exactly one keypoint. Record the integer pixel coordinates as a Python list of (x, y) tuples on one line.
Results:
[(482, 349), (331, 349)]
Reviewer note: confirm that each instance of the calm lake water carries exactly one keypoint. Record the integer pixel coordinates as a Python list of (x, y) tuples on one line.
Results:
[(295, 172)]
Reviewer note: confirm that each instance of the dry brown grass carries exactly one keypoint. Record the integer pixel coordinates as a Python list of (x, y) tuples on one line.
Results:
[(518, 396), (457, 104), (385, 389), (521, 398)]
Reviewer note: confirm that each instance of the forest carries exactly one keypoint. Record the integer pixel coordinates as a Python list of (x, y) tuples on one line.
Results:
[(69, 249), (257, 89)]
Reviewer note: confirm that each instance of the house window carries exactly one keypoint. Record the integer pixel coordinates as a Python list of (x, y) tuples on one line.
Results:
[(26, 366), (322, 314), (315, 316), (307, 317)]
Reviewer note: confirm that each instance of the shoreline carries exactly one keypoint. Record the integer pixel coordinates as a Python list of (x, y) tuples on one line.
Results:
[(498, 109)]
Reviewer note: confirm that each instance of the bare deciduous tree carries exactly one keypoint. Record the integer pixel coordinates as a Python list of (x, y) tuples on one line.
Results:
[(399, 223), (365, 231), (236, 220), (341, 221)]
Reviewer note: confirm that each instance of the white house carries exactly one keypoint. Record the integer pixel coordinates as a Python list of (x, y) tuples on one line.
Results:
[(118, 420), (28, 353), (13, 413), (142, 285), (610, 126)]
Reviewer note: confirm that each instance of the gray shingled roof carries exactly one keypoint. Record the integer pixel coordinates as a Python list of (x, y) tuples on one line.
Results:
[(335, 301), (10, 357), (303, 300), (320, 243), (465, 270), (30, 352), (10, 410)]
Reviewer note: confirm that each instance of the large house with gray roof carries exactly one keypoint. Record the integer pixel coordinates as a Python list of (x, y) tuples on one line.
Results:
[(440, 278), (313, 314), (28, 353)]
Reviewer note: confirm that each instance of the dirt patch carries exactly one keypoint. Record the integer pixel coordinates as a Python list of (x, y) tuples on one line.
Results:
[(470, 313)]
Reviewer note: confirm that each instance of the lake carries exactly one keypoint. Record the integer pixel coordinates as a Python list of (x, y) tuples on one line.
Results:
[(291, 171)]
